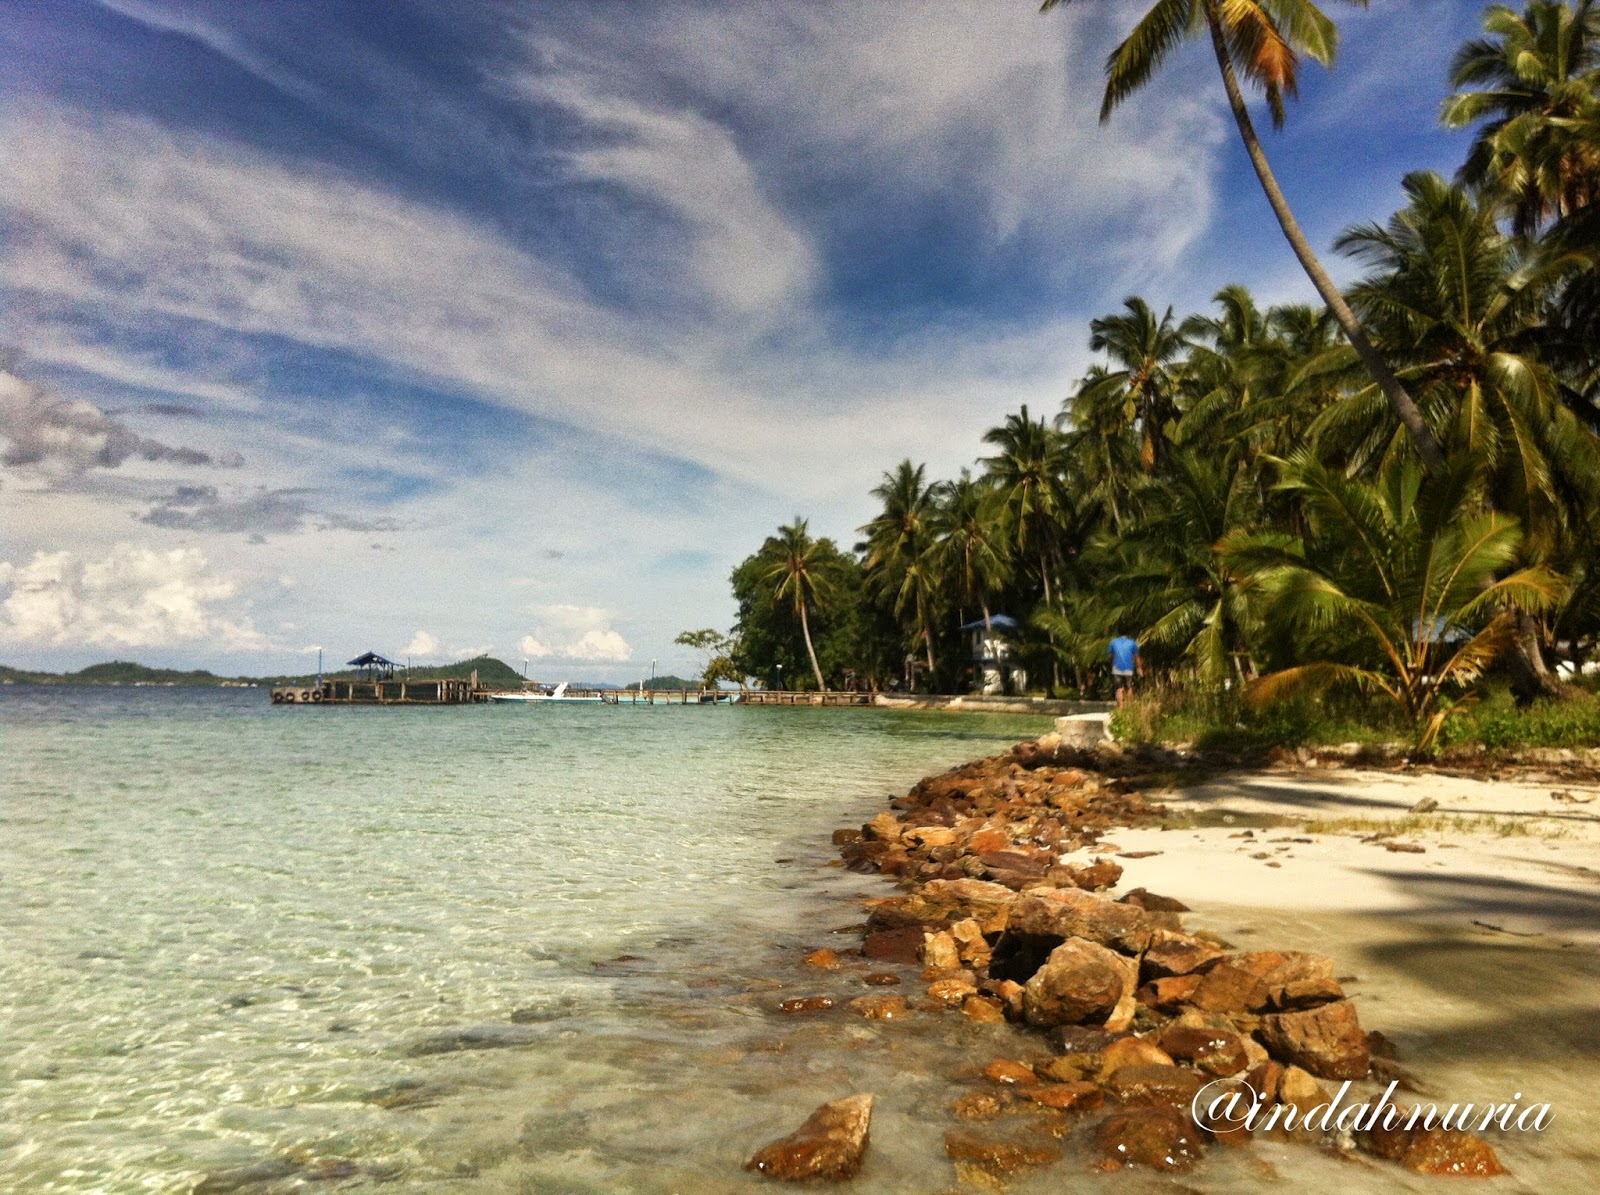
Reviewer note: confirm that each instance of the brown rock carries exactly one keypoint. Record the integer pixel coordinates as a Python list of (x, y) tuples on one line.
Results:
[(1174, 1085), (1300, 1088), (1171, 954), (806, 1004), (1251, 982), (827, 960), (985, 841), (1215, 1051), (930, 836), (1065, 1097), (1131, 1051), (971, 945), (939, 950), (1071, 913), (845, 837), (1004, 1070), (1306, 993), (1151, 903), (1081, 981), (978, 1105), (885, 827), (882, 979), (1089, 877), (952, 993), (1165, 995), (894, 945), (1159, 1137), (829, 1145), (1120, 1019), (879, 1008), (1265, 1079), (1433, 1150), (1327, 1041), (986, 1010), (996, 1155)]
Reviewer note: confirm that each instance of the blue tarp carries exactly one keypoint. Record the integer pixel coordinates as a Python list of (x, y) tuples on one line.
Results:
[(370, 660), (1000, 622)]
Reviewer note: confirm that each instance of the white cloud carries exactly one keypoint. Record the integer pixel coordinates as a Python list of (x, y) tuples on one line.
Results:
[(580, 633), (132, 597), (422, 644)]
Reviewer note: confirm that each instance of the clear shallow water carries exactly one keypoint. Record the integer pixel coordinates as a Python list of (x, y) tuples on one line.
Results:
[(225, 927)]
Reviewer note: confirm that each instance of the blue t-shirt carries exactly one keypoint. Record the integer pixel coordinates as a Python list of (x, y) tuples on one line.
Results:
[(1124, 652)]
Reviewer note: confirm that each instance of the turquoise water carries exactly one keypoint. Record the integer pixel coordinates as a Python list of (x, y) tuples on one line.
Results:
[(227, 929)]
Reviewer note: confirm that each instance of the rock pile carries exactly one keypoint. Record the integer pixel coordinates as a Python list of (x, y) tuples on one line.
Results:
[(1141, 1015)]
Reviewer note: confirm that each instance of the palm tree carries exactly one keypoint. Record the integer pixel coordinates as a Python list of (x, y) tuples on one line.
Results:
[(969, 547), (899, 548), (797, 567), (1029, 476), (1538, 75), (1263, 40), (1103, 443), (1401, 573), (1144, 348)]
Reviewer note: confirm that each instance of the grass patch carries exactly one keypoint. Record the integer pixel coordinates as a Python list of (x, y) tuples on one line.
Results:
[(1220, 720), (1497, 724)]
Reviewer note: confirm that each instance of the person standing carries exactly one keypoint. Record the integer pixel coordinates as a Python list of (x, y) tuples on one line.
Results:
[(1126, 662)]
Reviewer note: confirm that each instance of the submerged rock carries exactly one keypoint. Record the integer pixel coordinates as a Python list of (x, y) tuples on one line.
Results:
[(476, 1037), (829, 1145), (241, 1178), (1162, 1138)]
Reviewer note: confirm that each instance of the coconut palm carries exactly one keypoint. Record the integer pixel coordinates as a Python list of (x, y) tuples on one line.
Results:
[(1143, 350), (1534, 81), (1029, 477), (1263, 41), (969, 545), (899, 547), (797, 568), (1404, 574), (1103, 443)]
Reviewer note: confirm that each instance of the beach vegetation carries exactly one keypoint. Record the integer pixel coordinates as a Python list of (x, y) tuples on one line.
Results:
[(1302, 558)]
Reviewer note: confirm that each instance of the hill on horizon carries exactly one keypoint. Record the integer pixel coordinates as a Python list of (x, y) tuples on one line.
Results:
[(125, 672)]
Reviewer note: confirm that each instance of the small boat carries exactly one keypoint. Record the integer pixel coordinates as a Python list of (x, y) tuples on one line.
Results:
[(558, 695)]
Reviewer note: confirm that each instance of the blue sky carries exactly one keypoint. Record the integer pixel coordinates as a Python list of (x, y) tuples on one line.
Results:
[(445, 327)]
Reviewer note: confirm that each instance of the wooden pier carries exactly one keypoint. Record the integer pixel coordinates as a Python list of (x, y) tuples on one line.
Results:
[(791, 697), (452, 690)]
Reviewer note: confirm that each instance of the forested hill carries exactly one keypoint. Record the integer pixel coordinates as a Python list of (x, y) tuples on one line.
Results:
[(122, 672)]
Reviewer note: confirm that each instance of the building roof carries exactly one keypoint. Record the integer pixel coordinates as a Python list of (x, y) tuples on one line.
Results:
[(370, 659), (999, 622)]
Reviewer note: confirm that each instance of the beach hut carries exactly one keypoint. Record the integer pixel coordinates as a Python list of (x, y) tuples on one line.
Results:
[(991, 643)]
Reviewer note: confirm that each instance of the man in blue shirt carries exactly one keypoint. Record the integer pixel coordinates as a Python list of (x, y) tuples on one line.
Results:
[(1125, 662)]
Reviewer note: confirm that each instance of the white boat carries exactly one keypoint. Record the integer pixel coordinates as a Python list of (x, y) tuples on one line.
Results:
[(559, 695)]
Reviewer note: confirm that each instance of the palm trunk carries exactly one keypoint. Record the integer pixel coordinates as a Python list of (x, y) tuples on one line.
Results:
[(805, 629), (1531, 676), (1404, 408)]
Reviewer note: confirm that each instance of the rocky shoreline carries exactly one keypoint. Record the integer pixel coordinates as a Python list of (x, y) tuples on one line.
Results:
[(1120, 1022)]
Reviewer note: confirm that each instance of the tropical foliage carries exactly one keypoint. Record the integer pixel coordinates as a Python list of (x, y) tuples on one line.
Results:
[(1239, 487)]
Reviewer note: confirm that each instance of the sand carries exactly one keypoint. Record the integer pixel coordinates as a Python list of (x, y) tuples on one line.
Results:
[(1502, 853)]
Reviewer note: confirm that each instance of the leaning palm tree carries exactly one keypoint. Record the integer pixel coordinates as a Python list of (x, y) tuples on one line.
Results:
[(1536, 97), (1403, 574), (797, 568), (1262, 40)]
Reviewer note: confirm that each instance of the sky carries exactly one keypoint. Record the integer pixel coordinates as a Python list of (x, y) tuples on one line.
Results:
[(444, 327)]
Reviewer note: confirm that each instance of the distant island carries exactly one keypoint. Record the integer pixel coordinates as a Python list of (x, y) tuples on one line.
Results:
[(122, 672)]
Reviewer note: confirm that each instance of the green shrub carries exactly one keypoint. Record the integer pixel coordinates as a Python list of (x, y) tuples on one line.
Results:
[(1497, 724)]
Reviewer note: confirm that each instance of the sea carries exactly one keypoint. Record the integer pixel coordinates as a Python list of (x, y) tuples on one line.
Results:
[(485, 948)]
